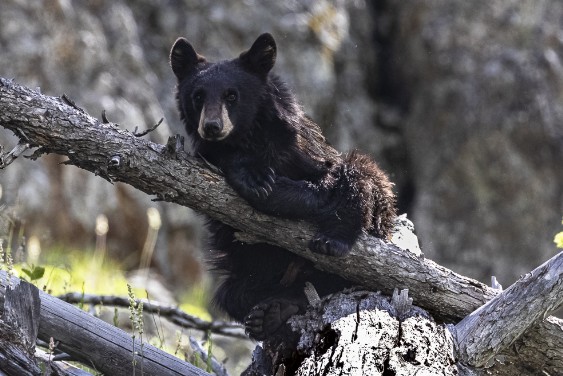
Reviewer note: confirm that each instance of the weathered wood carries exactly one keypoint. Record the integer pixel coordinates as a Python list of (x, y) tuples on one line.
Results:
[(363, 333), (18, 330), (117, 155), (99, 345), (495, 326)]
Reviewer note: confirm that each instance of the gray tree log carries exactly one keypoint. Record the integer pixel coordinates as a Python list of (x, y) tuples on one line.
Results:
[(498, 323), (85, 338), (54, 125)]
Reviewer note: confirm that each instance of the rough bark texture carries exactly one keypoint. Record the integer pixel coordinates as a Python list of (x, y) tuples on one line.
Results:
[(361, 333), (89, 340), (19, 323), (503, 319), (53, 126)]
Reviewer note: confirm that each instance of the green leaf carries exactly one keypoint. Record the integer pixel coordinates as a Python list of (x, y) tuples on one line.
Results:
[(27, 272), (37, 273), (558, 240)]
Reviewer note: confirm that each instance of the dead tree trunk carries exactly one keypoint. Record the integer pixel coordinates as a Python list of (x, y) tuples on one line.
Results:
[(362, 333), (55, 125)]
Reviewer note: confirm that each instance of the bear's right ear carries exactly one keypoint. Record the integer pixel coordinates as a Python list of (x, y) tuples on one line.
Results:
[(183, 58), (261, 57)]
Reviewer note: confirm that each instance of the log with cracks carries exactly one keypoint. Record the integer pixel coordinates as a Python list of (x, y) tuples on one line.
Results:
[(51, 125)]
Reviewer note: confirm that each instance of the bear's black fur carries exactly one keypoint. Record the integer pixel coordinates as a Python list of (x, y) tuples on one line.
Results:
[(243, 119)]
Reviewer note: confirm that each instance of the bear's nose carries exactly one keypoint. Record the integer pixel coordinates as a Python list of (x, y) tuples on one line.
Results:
[(212, 128)]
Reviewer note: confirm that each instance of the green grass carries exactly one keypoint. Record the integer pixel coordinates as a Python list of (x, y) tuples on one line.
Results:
[(80, 271), (72, 271)]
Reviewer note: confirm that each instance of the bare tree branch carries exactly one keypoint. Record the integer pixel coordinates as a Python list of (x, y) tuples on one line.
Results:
[(169, 174), (497, 324), (7, 159), (174, 314)]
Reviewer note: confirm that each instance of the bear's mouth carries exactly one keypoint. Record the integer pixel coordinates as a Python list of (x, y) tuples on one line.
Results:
[(213, 138)]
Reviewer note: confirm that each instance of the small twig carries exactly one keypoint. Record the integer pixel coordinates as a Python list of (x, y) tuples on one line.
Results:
[(37, 153), (71, 103), (147, 131), (174, 146), (104, 118), (495, 284), (173, 314), (7, 159)]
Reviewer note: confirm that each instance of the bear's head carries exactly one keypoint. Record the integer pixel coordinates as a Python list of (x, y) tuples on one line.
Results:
[(219, 100)]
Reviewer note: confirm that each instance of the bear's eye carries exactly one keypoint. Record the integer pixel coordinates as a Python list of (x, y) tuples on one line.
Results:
[(231, 96), (198, 98)]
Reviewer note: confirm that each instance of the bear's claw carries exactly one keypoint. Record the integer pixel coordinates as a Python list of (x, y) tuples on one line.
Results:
[(266, 318), (325, 245)]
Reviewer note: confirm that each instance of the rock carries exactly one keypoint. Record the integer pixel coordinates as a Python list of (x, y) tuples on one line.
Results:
[(481, 83)]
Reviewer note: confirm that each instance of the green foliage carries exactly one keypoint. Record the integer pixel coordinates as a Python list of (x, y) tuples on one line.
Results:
[(69, 271), (559, 239), (34, 272)]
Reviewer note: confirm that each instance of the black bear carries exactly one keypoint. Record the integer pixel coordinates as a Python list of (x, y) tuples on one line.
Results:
[(244, 120)]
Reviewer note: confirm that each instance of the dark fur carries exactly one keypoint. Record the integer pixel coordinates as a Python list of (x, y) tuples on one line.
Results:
[(278, 160)]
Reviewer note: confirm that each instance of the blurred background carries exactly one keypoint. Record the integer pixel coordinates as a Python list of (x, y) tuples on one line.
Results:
[(461, 102)]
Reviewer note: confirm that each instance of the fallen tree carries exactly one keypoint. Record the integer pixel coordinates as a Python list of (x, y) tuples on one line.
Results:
[(56, 125), (30, 314)]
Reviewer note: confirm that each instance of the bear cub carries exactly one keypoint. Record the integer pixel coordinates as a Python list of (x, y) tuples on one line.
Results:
[(243, 119)]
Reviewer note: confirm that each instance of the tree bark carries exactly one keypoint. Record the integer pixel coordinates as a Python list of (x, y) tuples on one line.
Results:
[(54, 125), (364, 333), (18, 330), (498, 323)]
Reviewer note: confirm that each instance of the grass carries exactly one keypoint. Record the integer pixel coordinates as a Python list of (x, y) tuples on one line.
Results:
[(64, 271), (76, 271)]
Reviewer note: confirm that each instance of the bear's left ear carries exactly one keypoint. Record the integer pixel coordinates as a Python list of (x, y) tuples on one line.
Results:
[(183, 58), (261, 57)]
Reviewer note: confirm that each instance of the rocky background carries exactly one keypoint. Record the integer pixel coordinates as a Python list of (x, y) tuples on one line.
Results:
[(461, 102)]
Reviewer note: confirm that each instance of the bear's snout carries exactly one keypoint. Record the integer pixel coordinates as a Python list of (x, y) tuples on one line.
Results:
[(212, 128), (215, 123)]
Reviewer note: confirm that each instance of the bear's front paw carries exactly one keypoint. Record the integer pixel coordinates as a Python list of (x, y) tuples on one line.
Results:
[(329, 246), (254, 183), (266, 318)]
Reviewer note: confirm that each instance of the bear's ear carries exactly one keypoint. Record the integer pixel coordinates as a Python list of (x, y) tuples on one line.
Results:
[(183, 58), (261, 57)]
